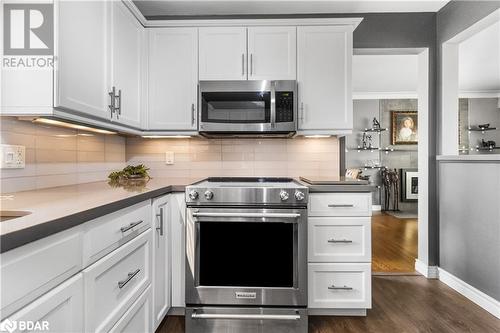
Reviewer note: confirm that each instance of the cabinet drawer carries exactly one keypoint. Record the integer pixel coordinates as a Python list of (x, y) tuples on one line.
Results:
[(339, 239), (339, 286), (33, 269), (138, 317), (106, 233), (114, 282), (340, 204)]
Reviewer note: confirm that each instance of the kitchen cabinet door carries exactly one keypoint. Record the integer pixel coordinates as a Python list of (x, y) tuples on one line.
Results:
[(61, 309), (222, 53), (161, 260), (178, 225), (127, 60), (324, 66), (82, 72), (173, 79), (272, 53)]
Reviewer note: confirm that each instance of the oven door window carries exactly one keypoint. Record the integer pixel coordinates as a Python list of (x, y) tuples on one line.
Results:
[(246, 254), (236, 107)]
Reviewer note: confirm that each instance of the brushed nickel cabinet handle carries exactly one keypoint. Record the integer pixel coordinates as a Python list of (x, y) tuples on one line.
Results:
[(130, 226), (119, 105), (112, 101), (334, 287), (193, 117), (333, 240), (160, 217), (251, 63), (340, 205), (130, 276), (242, 64)]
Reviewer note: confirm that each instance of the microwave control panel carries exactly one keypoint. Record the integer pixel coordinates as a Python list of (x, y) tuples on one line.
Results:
[(284, 106)]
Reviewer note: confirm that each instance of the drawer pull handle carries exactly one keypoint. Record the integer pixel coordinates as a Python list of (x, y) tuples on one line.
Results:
[(341, 205), (160, 217), (333, 240), (334, 287), (130, 276), (130, 226)]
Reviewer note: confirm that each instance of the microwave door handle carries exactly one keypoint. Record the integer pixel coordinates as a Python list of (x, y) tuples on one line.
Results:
[(273, 104)]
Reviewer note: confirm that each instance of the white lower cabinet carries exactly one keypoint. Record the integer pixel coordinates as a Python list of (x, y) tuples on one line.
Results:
[(161, 259), (339, 253), (60, 310), (339, 285), (137, 319), (29, 271), (114, 282)]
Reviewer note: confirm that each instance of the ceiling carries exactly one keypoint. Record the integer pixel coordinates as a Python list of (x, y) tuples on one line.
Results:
[(167, 8), (479, 61)]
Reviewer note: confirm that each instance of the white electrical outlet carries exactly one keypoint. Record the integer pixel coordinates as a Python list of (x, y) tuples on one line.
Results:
[(169, 157), (12, 157)]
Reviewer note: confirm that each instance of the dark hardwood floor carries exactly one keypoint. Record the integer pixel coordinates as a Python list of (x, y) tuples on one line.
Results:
[(394, 244), (400, 304)]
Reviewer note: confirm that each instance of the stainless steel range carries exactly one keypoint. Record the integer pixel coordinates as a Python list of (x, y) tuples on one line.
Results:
[(246, 255)]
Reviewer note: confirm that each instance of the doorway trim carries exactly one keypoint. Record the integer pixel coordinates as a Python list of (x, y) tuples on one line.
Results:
[(423, 86)]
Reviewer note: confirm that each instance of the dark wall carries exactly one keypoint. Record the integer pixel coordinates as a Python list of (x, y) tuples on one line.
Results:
[(468, 232)]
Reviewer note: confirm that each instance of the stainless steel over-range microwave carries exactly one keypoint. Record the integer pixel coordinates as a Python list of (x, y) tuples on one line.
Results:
[(248, 107)]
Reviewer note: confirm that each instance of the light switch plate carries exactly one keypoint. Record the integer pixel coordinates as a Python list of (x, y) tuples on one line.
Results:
[(12, 157), (169, 157)]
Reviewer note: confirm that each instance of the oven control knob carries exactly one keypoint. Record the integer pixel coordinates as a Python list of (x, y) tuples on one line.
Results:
[(284, 195), (209, 195), (299, 196), (193, 195)]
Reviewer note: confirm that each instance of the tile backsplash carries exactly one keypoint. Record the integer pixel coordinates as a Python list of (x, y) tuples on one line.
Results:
[(197, 157), (58, 156)]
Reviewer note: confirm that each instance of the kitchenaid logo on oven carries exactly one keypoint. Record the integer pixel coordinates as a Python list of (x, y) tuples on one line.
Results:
[(28, 40), (23, 325), (246, 295)]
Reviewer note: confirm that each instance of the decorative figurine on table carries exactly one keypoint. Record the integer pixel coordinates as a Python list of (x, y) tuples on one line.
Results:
[(488, 144), (484, 126), (376, 123)]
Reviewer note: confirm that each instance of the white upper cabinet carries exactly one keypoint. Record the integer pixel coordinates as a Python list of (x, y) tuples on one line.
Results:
[(127, 59), (272, 53), (324, 57), (82, 57), (173, 79), (222, 53)]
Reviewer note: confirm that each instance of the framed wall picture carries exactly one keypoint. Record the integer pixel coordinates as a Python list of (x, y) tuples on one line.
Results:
[(404, 127), (409, 185)]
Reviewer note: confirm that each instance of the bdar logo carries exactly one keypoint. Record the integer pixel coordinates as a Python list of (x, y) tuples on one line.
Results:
[(28, 29), (8, 326)]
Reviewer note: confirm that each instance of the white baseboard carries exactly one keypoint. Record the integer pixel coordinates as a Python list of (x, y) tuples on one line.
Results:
[(486, 302), (376, 208), (430, 272)]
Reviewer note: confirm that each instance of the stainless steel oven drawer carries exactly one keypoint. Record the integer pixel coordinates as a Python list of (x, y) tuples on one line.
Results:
[(245, 320)]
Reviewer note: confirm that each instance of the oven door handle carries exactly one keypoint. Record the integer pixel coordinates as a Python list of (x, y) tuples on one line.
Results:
[(244, 316), (282, 215)]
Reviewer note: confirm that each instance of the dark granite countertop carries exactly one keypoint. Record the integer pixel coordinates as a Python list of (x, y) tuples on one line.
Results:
[(60, 208)]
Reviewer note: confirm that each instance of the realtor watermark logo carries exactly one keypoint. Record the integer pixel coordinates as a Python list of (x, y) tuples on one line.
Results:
[(23, 325), (28, 35)]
